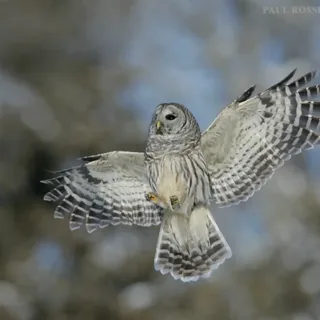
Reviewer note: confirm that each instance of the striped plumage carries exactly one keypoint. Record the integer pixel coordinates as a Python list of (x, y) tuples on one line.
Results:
[(98, 194), (189, 171), (233, 158), (250, 139), (190, 244), (190, 247)]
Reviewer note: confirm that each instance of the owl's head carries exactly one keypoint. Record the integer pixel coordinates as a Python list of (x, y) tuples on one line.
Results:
[(175, 120)]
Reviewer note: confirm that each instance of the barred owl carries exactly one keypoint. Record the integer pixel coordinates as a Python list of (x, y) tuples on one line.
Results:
[(182, 170)]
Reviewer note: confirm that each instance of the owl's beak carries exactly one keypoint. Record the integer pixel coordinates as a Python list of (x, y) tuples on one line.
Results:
[(158, 125)]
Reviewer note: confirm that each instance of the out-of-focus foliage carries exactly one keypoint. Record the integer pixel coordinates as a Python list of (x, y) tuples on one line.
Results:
[(80, 77)]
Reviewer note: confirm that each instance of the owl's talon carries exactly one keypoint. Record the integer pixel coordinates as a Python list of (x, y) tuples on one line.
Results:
[(175, 204), (152, 197)]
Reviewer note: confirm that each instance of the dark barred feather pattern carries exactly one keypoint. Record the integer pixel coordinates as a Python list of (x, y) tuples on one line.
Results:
[(249, 140), (190, 248), (239, 152), (109, 190), (190, 244)]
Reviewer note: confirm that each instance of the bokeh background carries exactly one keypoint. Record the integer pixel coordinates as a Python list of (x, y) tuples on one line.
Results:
[(79, 77)]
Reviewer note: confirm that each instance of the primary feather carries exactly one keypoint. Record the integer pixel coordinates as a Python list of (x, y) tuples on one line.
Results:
[(232, 159), (249, 140), (109, 190)]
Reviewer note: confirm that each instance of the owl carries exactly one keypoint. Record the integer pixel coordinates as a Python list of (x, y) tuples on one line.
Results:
[(182, 170)]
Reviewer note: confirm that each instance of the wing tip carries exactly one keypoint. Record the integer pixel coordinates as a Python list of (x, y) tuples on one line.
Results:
[(90, 158), (46, 181), (246, 95), (290, 75), (283, 81)]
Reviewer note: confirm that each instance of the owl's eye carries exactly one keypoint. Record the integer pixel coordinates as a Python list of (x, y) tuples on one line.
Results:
[(170, 116)]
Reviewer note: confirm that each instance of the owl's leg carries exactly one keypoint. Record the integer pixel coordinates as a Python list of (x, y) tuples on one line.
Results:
[(175, 204), (153, 197)]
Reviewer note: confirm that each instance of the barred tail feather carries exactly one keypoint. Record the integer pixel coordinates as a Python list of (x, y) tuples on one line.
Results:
[(190, 248)]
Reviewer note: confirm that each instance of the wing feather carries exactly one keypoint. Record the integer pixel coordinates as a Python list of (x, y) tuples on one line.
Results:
[(109, 189), (250, 139)]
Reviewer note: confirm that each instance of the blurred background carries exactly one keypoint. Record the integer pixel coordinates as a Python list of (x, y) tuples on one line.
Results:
[(79, 77)]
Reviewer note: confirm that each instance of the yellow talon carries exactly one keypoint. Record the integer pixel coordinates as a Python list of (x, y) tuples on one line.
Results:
[(151, 197), (155, 199)]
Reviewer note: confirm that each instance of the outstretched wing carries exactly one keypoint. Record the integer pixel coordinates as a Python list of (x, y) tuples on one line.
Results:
[(109, 189), (252, 137)]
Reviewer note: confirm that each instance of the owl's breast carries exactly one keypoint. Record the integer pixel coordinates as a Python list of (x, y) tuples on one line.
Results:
[(183, 176), (168, 178)]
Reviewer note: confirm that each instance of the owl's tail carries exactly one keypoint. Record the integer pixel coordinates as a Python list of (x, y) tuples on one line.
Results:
[(190, 248)]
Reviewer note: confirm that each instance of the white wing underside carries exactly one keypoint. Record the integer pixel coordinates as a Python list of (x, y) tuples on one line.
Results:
[(244, 145), (252, 137), (108, 190)]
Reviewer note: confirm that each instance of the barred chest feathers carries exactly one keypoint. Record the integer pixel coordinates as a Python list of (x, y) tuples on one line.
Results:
[(185, 176)]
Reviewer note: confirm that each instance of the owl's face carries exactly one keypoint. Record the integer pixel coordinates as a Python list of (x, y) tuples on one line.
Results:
[(173, 119)]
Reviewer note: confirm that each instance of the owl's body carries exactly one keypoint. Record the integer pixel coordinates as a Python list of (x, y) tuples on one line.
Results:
[(184, 176), (174, 162), (182, 170), (189, 244)]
